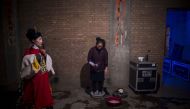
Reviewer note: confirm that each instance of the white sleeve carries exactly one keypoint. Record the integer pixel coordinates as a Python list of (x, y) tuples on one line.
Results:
[(27, 60), (49, 65), (26, 66)]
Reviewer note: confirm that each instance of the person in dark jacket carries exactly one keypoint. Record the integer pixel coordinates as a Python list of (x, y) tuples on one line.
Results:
[(98, 60)]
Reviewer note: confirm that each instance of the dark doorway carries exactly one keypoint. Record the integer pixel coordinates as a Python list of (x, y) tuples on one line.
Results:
[(176, 66), (178, 34)]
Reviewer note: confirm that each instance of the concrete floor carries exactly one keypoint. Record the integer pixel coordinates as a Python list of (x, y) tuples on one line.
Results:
[(78, 99), (173, 94)]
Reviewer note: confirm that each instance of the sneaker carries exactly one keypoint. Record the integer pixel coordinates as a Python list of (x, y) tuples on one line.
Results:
[(92, 93)]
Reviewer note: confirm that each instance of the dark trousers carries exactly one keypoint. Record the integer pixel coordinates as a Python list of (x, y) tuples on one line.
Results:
[(97, 85)]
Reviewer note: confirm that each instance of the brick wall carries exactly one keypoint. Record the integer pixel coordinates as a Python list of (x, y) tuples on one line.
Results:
[(69, 28)]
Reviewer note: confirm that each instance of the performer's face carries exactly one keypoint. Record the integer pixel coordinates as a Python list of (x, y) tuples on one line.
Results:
[(38, 41)]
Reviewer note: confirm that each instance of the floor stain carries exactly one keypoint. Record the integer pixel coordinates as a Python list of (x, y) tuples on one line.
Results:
[(159, 102), (67, 106), (62, 95), (82, 101), (103, 105)]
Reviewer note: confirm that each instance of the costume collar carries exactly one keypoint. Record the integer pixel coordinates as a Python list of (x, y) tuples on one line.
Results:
[(35, 47)]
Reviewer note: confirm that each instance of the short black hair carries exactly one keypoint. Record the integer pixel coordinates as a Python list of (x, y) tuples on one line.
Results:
[(100, 40), (32, 34)]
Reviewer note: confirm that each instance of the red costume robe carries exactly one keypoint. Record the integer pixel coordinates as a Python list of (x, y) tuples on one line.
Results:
[(36, 90)]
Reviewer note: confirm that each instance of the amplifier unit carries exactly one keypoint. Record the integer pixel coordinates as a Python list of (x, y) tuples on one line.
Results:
[(143, 76)]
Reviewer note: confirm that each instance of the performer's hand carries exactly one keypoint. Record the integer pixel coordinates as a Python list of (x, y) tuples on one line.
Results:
[(43, 51), (106, 71), (93, 64)]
